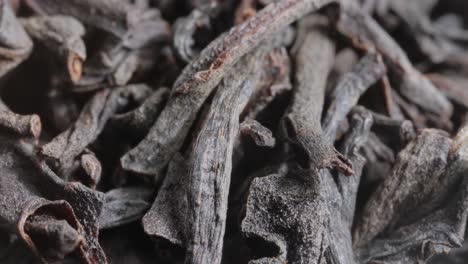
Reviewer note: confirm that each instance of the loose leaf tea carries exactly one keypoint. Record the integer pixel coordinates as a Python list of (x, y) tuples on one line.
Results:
[(62, 35), (201, 76), (15, 44), (236, 131)]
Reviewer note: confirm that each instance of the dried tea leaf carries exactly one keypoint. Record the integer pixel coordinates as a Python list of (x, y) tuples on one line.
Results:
[(87, 204), (432, 41), (201, 76), (343, 192), (15, 45), (140, 120), (27, 190), (366, 33), (348, 90), (135, 26), (92, 170), (62, 35), (416, 174), (64, 148), (416, 243), (275, 82), (247, 158), (306, 216), (291, 213), (185, 28), (210, 162), (452, 86), (28, 126), (53, 238), (302, 122), (244, 10), (261, 135), (124, 205), (167, 217)]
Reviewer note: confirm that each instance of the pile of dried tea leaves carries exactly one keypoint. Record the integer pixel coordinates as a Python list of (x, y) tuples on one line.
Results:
[(235, 131)]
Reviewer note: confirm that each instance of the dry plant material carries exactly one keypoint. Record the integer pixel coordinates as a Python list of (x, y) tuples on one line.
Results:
[(201, 76), (417, 161), (21, 125), (348, 90), (130, 27), (62, 35), (140, 120), (302, 122), (452, 87), (41, 208), (124, 205), (15, 44), (366, 33), (22, 204), (167, 217), (213, 147), (261, 135), (185, 28), (64, 148), (130, 23), (440, 221), (238, 131), (275, 81), (297, 218)]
